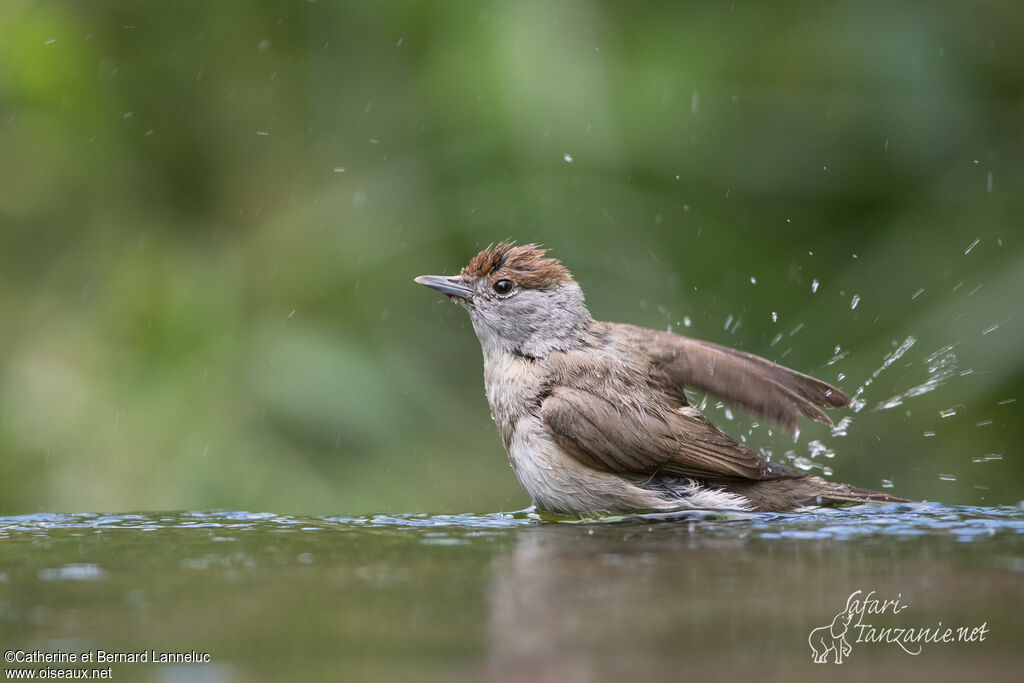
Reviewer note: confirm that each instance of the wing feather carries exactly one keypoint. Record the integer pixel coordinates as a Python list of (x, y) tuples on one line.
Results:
[(753, 383), (623, 437)]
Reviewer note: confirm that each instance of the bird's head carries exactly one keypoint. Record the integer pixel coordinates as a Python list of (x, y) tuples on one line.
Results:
[(519, 300)]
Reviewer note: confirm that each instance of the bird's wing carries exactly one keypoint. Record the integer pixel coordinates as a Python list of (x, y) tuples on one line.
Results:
[(623, 435), (756, 384)]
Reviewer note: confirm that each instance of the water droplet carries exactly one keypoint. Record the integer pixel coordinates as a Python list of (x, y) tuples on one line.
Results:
[(917, 294), (753, 280), (339, 169), (854, 301), (775, 317), (947, 477), (264, 45), (941, 366), (686, 321), (568, 158), (970, 246), (814, 286), (843, 427), (887, 484)]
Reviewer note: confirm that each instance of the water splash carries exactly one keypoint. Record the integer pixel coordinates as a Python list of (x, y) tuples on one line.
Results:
[(842, 427), (807, 463), (857, 401), (941, 366)]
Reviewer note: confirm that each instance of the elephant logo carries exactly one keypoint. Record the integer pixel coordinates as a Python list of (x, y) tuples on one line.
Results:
[(832, 638)]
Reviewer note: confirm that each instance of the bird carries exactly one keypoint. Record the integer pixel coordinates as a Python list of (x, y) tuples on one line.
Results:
[(594, 415)]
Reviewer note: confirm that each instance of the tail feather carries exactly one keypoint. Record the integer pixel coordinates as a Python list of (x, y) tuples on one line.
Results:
[(787, 495)]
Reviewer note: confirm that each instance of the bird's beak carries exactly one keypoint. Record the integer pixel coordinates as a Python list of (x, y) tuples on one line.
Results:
[(449, 286)]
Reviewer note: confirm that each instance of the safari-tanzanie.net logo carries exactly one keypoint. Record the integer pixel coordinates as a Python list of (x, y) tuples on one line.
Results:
[(863, 620)]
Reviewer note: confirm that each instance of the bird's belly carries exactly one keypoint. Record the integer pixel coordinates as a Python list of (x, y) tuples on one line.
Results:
[(559, 483)]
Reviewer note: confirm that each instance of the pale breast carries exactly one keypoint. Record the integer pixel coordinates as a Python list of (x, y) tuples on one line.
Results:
[(512, 385), (558, 482)]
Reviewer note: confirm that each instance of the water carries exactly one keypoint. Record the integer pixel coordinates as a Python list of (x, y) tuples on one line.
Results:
[(512, 596)]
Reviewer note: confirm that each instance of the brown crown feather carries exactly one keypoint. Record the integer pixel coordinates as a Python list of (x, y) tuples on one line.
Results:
[(524, 264)]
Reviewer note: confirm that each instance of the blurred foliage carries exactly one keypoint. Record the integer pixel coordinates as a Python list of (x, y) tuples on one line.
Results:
[(211, 215)]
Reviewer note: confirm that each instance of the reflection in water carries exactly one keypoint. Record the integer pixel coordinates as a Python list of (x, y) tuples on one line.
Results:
[(711, 600)]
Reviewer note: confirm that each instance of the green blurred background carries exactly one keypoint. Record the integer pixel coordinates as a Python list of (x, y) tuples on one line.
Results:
[(211, 214)]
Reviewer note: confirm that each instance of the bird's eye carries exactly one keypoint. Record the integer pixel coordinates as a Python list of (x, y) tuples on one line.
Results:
[(503, 287)]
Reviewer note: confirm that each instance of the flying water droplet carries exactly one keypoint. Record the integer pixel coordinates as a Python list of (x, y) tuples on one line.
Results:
[(568, 158), (814, 286), (842, 427), (941, 366), (858, 403)]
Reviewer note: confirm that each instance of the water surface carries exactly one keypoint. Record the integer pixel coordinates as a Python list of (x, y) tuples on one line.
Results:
[(513, 596)]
